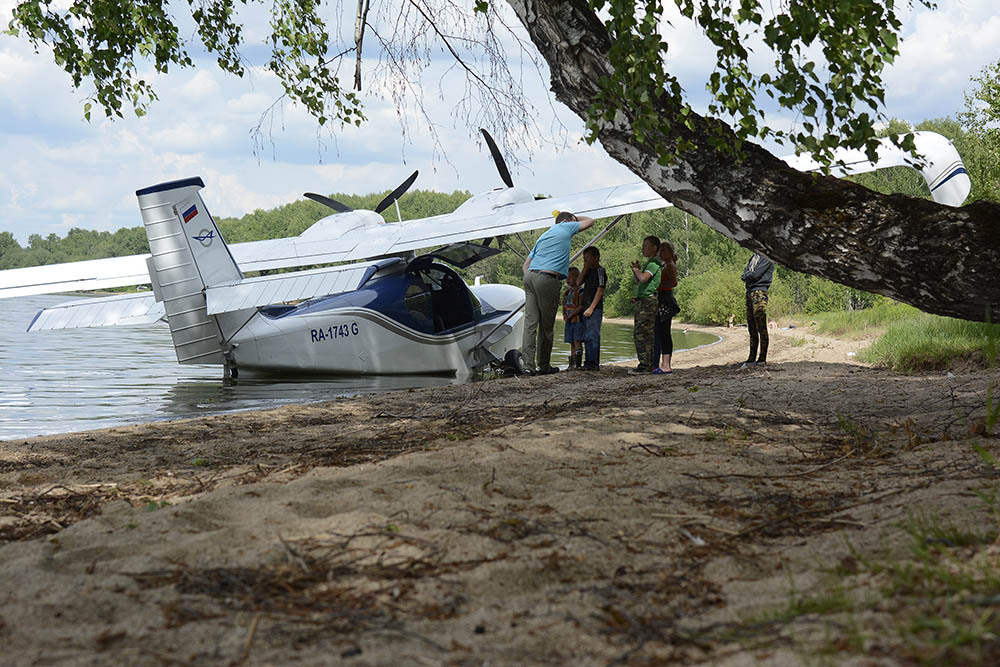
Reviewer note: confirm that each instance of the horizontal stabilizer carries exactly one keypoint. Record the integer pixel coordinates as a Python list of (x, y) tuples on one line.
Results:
[(122, 310), (285, 287)]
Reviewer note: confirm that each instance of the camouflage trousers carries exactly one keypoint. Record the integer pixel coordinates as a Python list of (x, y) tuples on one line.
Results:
[(757, 324), (642, 333)]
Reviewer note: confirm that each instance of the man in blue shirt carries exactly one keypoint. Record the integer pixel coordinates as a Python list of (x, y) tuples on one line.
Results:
[(544, 270)]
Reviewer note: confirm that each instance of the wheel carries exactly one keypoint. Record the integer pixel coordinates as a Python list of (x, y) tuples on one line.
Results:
[(513, 362)]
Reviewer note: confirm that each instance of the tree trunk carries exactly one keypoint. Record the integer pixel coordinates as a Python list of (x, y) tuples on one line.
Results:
[(941, 259)]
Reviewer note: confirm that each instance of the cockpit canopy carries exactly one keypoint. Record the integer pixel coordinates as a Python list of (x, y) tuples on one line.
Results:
[(428, 297)]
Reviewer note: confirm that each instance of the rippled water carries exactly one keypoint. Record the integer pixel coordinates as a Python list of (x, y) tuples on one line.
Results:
[(80, 379)]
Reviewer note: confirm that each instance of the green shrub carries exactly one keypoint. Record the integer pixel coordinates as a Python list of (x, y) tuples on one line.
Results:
[(711, 297), (618, 299), (780, 299), (823, 296)]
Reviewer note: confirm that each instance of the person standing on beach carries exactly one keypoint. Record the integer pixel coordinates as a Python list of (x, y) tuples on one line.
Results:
[(757, 275), (663, 342), (573, 335), (647, 278), (593, 280), (544, 270)]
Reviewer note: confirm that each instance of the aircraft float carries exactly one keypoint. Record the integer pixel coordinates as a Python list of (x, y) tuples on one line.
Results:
[(382, 308)]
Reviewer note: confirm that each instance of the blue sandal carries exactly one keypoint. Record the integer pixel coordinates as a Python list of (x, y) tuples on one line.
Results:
[(657, 371)]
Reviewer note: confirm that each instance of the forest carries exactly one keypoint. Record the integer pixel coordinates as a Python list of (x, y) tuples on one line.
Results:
[(709, 264)]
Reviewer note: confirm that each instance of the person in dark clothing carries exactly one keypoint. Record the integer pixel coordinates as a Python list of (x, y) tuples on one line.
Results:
[(663, 342), (757, 275), (593, 280)]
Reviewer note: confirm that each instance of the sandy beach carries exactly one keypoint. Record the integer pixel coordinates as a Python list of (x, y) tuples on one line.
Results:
[(579, 518)]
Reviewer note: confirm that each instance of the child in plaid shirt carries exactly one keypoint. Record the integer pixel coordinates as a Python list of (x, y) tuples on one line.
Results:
[(571, 315)]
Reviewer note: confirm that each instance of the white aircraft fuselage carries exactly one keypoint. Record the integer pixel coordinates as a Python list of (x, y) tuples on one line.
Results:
[(378, 330)]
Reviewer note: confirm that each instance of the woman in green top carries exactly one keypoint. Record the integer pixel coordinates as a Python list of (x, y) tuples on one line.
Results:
[(647, 278)]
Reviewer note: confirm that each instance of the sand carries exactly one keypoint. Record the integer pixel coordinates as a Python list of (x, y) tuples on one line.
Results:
[(578, 518)]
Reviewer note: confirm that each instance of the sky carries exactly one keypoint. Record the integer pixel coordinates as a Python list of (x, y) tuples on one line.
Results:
[(59, 171)]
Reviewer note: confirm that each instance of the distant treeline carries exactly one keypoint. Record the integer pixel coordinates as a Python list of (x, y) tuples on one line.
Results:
[(288, 220), (709, 264)]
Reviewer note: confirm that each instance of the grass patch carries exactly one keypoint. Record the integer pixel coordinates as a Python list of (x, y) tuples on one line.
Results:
[(931, 342), (860, 440), (835, 600), (912, 340), (937, 603), (862, 323), (726, 434)]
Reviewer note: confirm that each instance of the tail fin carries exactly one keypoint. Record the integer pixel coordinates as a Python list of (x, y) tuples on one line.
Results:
[(188, 255)]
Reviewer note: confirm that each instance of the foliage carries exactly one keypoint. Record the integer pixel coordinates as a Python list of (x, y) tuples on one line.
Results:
[(78, 244), (109, 46), (826, 59), (981, 120), (824, 296), (711, 297), (857, 41)]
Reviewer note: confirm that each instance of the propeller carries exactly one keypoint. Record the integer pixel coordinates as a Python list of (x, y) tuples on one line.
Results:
[(498, 159), (326, 201), (397, 193)]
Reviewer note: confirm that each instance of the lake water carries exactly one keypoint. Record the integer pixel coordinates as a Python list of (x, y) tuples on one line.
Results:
[(81, 379)]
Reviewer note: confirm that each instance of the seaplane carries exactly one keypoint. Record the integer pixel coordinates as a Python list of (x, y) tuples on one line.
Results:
[(381, 302)]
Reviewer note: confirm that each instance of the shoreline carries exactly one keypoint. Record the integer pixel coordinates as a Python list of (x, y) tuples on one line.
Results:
[(572, 518), (84, 428)]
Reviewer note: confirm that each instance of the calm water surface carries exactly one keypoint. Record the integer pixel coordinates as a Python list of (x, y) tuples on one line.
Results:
[(80, 379)]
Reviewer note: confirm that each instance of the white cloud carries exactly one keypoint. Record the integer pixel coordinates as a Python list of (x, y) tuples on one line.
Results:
[(940, 52), (202, 85)]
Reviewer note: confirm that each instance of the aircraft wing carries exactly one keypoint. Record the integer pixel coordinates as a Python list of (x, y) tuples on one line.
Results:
[(461, 225), (526, 216), (121, 310), (334, 244), (91, 274), (362, 235)]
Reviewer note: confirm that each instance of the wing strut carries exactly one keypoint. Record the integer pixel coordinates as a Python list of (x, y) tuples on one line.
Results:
[(596, 238)]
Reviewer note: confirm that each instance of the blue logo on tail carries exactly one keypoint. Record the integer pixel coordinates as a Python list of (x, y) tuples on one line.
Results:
[(205, 237)]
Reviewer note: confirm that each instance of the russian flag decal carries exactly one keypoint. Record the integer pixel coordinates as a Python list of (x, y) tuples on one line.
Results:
[(190, 213)]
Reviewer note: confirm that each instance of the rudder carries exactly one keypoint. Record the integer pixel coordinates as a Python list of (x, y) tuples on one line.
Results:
[(188, 255)]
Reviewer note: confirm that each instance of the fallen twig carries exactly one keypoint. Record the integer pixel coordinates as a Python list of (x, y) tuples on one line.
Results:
[(769, 476), (245, 654)]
